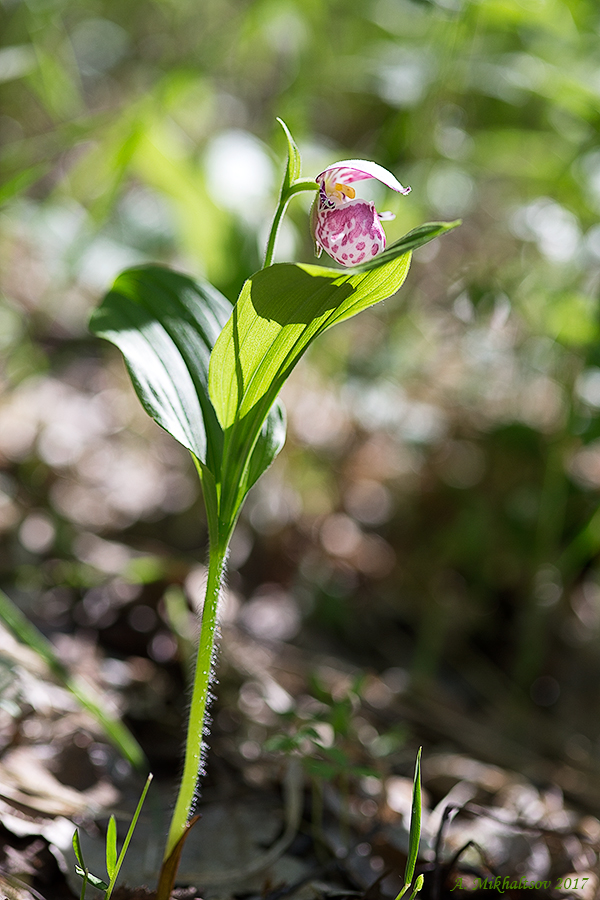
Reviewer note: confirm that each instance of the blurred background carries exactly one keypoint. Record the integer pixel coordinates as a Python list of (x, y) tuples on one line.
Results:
[(431, 528)]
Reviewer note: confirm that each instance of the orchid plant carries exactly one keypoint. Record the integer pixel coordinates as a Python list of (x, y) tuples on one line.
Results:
[(210, 376)]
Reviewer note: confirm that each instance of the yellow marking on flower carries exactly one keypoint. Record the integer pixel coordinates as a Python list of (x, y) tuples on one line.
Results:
[(345, 189)]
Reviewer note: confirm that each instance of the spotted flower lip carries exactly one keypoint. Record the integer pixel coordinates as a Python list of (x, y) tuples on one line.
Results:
[(348, 228)]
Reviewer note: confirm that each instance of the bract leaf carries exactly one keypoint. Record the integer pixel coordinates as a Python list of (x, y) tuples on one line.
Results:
[(294, 161)]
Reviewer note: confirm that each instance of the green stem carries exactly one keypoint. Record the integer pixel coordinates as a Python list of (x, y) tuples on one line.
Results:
[(295, 188), (194, 744)]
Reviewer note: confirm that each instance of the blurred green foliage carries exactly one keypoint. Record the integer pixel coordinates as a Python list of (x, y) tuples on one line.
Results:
[(436, 507)]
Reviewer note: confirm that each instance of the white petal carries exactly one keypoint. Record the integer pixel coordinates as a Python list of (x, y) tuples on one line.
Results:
[(349, 170)]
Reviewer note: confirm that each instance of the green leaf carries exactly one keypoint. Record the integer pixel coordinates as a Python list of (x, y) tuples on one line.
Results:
[(320, 769), (336, 756), (418, 886), (280, 311), (415, 824), (77, 848), (272, 439), (411, 241), (294, 162), (166, 324), (93, 879), (111, 847), (21, 181), (117, 863)]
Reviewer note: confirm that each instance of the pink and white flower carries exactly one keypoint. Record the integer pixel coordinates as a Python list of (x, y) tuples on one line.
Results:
[(347, 228)]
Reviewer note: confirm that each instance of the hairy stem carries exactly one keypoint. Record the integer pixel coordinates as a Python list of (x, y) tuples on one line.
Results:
[(194, 745)]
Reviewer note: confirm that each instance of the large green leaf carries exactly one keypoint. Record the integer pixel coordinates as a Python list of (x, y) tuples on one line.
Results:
[(166, 324), (280, 311)]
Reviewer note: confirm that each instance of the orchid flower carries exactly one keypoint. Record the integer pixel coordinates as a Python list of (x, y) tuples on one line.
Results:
[(346, 227)]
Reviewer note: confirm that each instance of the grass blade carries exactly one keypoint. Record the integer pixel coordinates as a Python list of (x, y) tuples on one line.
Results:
[(415, 824), (127, 841), (28, 634)]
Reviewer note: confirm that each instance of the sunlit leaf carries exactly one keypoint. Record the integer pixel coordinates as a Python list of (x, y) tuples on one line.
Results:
[(280, 311)]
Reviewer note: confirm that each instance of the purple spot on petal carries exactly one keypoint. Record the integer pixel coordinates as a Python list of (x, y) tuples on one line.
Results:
[(352, 226)]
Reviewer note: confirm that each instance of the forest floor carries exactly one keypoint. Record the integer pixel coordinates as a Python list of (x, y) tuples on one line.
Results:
[(308, 786)]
